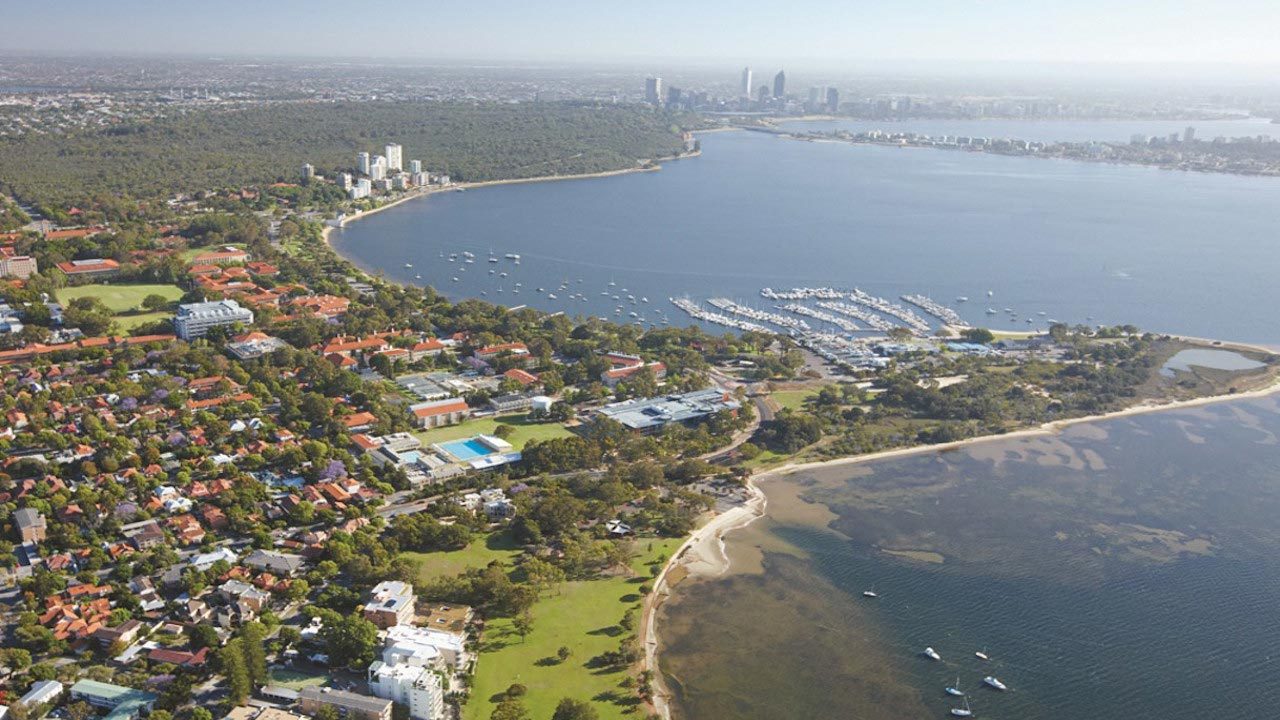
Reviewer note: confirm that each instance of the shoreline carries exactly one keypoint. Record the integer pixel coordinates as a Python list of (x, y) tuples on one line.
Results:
[(651, 166), (716, 528)]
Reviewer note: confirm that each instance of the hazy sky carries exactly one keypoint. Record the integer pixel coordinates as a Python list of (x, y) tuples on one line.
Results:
[(1197, 31)]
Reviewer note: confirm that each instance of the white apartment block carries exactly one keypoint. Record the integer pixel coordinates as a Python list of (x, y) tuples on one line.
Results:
[(395, 157), (416, 687), (197, 319)]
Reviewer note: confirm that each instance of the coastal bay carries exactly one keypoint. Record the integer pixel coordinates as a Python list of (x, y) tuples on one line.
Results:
[(1052, 547), (1176, 252)]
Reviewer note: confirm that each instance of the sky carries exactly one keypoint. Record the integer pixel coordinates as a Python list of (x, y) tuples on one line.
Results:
[(826, 32)]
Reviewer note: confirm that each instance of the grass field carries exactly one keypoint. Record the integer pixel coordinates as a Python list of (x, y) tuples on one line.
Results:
[(190, 253), (524, 430), (433, 565), (119, 298), (792, 399), (580, 615)]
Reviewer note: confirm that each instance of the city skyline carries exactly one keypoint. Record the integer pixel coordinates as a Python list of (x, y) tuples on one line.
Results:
[(1178, 32)]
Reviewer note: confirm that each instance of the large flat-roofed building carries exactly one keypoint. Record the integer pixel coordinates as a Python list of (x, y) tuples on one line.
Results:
[(32, 526), (42, 692), (18, 266), (646, 414), (125, 703), (349, 705), (197, 319), (437, 413), (391, 602), (92, 267)]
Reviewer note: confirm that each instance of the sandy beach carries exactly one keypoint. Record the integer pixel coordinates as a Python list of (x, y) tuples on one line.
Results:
[(701, 555)]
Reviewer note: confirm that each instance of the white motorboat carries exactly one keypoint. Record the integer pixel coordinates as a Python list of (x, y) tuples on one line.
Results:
[(932, 654), (982, 654), (993, 682), (408, 265)]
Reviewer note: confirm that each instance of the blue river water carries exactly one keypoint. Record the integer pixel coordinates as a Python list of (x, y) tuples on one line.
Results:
[(1078, 242)]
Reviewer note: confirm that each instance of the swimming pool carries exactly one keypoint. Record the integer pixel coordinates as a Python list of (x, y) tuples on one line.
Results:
[(469, 449)]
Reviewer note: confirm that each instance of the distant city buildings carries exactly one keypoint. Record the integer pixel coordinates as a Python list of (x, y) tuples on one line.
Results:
[(653, 90), (363, 163), (745, 87), (780, 85)]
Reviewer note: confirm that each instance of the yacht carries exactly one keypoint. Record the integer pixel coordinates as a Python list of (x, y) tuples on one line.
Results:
[(994, 682), (965, 711), (991, 311), (552, 296), (455, 279), (982, 654), (408, 265), (962, 298), (870, 593), (991, 293), (932, 654), (512, 256), (955, 690), (417, 277), (493, 259)]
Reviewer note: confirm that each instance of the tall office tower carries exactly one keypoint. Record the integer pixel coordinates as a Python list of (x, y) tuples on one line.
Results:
[(362, 163), (1189, 134), (833, 100), (780, 84), (395, 155), (673, 96), (415, 166), (653, 90), (746, 82)]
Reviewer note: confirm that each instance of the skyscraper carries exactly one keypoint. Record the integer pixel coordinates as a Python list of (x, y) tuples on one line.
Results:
[(673, 96), (833, 100), (1189, 134), (780, 84), (653, 90), (395, 155), (415, 166), (362, 163), (746, 82), (378, 168)]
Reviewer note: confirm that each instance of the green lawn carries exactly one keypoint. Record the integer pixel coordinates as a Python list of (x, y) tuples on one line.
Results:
[(792, 399), (190, 253), (498, 546), (119, 298), (524, 430), (295, 680), (129, 322), (581, 615)]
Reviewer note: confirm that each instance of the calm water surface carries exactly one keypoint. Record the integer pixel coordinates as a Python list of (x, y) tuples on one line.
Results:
[(1174, 251), (1126, 569)]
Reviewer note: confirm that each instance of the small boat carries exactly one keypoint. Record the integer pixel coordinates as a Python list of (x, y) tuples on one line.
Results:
[(932, 654), (470, 261), (552, 296), (965, 711), (963, 298), (993, 682), (954, 690), (517, 262), (512, 256), (502, 274), (644, 299), (612, 283), (540, 290), (870, 593), (982, 654), (408, 265), (493, 272), (991, 311), (493, 259), (990, 293), (455, 279), (417, 277)]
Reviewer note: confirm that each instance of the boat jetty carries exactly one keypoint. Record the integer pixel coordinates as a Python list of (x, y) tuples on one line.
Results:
[(729, 306), (826, 317), (841, 301), (697, 312), (871, 320), (936, 309)]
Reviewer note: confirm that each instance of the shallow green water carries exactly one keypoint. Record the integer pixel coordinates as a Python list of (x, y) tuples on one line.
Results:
[(1126, 569)]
